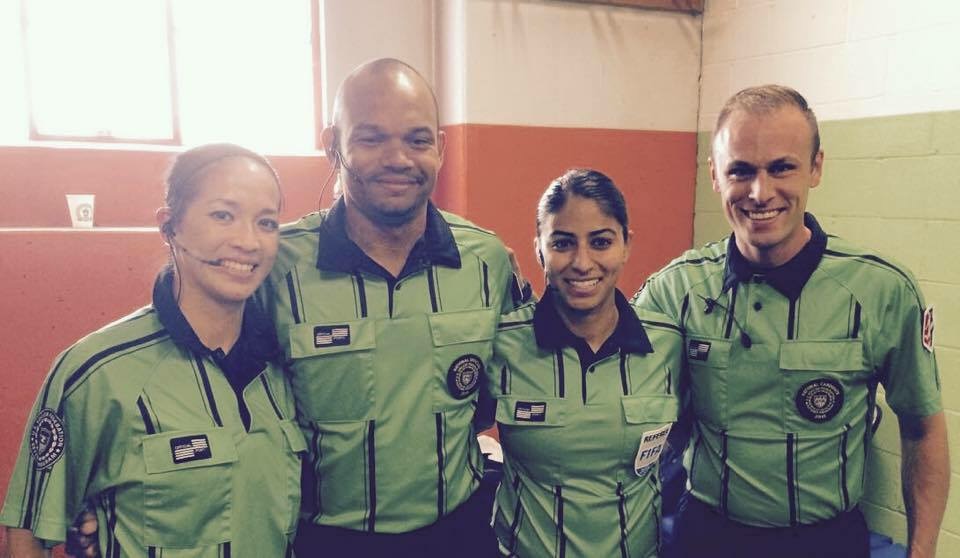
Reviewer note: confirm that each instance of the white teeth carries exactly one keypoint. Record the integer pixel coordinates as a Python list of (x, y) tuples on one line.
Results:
[(236, 266), (762, 214), (584, 284)]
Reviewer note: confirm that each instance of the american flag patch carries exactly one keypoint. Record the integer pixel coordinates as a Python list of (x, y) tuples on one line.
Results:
[(530, 411), (331, 336), (190, 448), (698, 350)]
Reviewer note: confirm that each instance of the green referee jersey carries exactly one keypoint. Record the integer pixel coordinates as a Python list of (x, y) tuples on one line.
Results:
[(572, 423), (784, 366), (385, 369), (140, 420)]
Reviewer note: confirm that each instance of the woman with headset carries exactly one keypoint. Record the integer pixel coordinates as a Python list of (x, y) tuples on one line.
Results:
[(585, 388), (175, 422)]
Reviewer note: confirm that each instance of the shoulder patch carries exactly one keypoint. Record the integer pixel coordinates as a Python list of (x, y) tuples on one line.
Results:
[(926, 335), (48, 439)]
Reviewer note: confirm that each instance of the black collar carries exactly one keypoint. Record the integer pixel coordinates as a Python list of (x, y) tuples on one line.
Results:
[(338, 253), (552, 333), (788, 278), (258, 338)]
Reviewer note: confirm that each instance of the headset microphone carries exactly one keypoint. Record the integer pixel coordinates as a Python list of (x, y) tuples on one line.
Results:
[(711, 303), (182, 248)]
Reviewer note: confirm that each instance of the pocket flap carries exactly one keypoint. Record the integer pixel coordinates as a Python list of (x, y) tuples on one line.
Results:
[(185, 449), (467, 326), (835, 356), (531, 411), (309, 340), (638, 409), (708, 351), (294, 436)]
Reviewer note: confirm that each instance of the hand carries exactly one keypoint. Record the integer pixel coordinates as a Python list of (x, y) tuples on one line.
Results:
[(82, 537)]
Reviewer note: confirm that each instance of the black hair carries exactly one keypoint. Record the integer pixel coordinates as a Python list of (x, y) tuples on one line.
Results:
[(180, 185), (585, 183)]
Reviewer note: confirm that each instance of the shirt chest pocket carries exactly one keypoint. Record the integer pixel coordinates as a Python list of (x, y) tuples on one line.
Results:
[(823, 382), (330, 360), (187, 499), (532, 433), (708, 359), (462, 347), (648, 419)]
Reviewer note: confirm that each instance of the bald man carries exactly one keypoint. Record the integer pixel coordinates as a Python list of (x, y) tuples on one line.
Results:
[(386, 308)]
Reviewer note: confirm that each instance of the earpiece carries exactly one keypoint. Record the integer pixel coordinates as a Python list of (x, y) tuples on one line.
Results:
[(540, 257)]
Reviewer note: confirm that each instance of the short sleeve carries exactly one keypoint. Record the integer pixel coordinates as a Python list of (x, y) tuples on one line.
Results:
[(907, 363)]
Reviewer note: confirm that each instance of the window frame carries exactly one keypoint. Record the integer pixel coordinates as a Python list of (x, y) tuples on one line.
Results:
[(176, 138)]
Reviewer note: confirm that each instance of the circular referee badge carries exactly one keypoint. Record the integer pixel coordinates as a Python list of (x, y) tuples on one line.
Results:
[(463, 376), (820, 400), (47, 439)]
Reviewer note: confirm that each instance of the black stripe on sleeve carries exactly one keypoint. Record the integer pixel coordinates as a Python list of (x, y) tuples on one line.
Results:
[(151, 552), (561, 539), (208, 390), (371, 477), (95, 359), (27, 522), (504, 380), (226, 549), (145, 415), (294, 299), (441, 458), (792, 478)]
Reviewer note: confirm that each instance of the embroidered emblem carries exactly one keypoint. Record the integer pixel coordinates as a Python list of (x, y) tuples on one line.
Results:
[(190, 448), (464, 375), (698, 350), (530, 411), (331, 336), (820, 400), (47, 439), (926, 337)]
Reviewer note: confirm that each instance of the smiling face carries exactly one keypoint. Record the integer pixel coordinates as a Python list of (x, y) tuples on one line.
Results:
[(583, 252), (388, 144), (762, 169), (226, 239)]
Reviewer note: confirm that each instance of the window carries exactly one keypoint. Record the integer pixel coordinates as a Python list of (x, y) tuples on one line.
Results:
[(177, 72)]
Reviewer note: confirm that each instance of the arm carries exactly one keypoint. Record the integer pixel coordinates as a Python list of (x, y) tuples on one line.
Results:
[(925, 473), (22, 544)]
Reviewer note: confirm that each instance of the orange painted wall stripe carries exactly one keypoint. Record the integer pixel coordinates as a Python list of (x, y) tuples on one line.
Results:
[(495, 174)]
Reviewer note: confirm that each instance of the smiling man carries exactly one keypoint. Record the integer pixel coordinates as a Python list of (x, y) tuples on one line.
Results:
[(386, 308), (789, 332)]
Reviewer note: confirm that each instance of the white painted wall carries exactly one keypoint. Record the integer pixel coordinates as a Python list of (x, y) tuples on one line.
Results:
[(355, 31), (554, 63), (850, 58)]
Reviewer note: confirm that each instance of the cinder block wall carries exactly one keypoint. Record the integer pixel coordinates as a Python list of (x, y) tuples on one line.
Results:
[(884, 79)]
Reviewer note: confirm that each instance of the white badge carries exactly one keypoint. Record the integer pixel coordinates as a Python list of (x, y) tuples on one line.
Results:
[(651, 446)]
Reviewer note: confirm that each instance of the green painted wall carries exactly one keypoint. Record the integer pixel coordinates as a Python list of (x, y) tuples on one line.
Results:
[(891, 183)]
